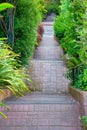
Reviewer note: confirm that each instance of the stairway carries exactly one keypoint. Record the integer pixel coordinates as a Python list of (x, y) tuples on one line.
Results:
[(48, 66), (51, 107)]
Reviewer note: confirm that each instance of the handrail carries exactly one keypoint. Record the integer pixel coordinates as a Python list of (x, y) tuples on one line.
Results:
[(74, 72), (77, 65)]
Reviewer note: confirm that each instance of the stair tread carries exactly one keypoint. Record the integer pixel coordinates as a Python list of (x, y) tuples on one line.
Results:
[(43, 98)]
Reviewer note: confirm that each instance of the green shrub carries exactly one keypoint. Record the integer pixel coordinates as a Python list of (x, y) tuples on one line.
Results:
[(71, 29), (59, 27), (27, 19), (68, 27)]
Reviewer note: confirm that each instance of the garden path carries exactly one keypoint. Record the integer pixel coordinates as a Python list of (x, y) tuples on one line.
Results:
[(50, 107)]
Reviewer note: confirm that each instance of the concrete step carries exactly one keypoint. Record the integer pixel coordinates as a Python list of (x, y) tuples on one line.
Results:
[(46, 52), (42, 98), (48, 42), (51, 108), (39, 111), (42, 116), (41, 128)]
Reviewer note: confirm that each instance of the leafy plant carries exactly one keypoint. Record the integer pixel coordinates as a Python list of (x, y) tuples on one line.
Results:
[(27, 18), (59, 27), (1, 113), (84, 122), (67, 27), (11, 76), (42, 8), (71, 29), (4, 6)]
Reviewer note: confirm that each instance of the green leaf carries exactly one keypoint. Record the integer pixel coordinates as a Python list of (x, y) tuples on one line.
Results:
[(2, 104), (2, 39), (3, 115), (4, 6), (84, 120)]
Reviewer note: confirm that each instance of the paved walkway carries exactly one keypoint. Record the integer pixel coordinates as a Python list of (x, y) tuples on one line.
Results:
[(51, 107), (48, 66)]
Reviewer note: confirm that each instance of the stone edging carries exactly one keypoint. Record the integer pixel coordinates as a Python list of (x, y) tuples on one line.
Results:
[(81, 97), (5, 93)]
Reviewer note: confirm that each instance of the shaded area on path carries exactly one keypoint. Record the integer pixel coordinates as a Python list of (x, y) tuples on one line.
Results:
[(50, 17)]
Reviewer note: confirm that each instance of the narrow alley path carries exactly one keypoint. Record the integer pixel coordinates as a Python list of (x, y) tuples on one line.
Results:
[(50, 107)]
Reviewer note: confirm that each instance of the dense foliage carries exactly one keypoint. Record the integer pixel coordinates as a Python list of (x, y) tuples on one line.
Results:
[(28, 14), (27, 19), (52, 6), (12, 75), (71, 29)]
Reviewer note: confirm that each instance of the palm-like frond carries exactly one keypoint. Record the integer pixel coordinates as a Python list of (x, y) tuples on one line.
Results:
[(11, 76)]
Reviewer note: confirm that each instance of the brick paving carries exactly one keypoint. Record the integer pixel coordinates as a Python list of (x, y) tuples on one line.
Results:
[(50, 108), (42, 116), (41, 75)]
